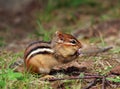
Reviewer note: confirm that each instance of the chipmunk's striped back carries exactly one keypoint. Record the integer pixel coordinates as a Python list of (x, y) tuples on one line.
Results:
[(37, 48)]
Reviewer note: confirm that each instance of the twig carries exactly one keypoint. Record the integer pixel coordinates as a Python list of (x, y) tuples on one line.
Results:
[(78, 77), (108, 83), (99, 50), (89, 74), (93, 83), (103, 82), (85, 74), (106, 49)]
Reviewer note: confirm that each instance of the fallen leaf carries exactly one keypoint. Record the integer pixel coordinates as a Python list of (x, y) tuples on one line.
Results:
[(116, 70)]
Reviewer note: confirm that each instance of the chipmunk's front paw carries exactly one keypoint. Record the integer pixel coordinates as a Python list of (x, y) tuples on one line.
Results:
[(47, 77)]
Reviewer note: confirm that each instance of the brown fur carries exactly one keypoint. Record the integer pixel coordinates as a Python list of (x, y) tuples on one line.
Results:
[(45, 62), (65, 48), (33, 45)]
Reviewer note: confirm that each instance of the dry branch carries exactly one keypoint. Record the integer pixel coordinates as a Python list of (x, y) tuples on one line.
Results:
[(93, 83), (78, 77), (97, 50)]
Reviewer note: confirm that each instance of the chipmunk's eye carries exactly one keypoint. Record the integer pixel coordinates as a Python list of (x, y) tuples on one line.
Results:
[(73, 41)]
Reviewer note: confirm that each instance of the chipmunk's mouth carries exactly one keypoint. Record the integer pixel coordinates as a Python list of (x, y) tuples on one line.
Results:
[(79, 52)]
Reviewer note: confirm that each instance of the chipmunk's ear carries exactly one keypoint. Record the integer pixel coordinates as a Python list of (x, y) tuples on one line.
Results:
[(59, 35)]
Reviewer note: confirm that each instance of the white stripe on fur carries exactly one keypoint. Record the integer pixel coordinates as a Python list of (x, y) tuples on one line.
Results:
[(39, 50)]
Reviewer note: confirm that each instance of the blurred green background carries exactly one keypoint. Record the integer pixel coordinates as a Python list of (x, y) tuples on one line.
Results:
[(24, 21)]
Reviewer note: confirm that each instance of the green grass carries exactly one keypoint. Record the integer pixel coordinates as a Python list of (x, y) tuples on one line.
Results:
[(104, 71), (16, 80), (44, 33), (7, 76), (2, 42), (116, 79), (68, 3), (115, 50), (99, 40)]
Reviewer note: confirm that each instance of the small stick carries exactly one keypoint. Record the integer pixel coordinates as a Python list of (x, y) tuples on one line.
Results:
[(106, 49), (93, 83), (85, 74), (108, 83), (100, 50), (89, 74), (103, 82), (73, 78)]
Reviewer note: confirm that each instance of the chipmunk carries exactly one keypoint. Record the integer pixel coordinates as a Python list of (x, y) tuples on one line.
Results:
[(40, 57)]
